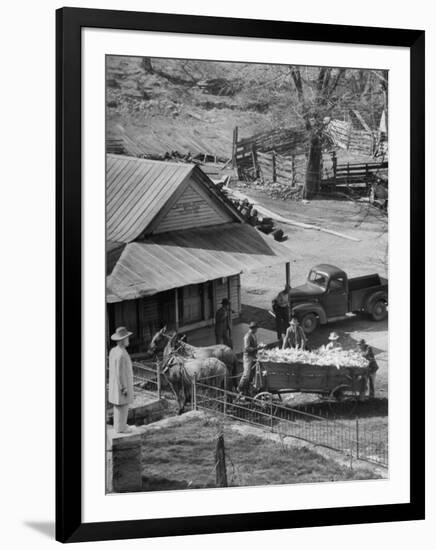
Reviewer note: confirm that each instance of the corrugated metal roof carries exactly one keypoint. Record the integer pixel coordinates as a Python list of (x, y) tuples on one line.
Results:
[(173, 260), (136, 190)]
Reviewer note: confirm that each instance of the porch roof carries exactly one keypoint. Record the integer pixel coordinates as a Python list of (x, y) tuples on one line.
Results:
[(177, 259)]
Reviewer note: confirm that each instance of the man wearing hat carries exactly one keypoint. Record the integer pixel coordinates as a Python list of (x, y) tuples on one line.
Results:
[(223, 324), (333, 341), (120, 379), (280, 307), (368, 354), (249, 356), (295, 336)]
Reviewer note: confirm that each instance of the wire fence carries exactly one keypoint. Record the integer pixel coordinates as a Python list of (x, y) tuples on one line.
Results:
[(356, 438)]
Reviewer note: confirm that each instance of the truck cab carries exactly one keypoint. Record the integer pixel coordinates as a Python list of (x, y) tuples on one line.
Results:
[(329, 295)]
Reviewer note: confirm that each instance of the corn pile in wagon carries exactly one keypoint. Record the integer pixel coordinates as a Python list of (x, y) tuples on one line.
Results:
[(321, 357)]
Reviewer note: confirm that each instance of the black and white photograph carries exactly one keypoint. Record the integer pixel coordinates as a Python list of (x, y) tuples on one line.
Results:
[(247, 274)]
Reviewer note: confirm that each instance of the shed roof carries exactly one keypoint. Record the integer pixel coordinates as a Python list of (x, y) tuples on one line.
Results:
[(138, 189), (173, 260)]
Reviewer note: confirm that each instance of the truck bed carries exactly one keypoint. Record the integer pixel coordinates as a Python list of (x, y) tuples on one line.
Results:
[(361, 287)]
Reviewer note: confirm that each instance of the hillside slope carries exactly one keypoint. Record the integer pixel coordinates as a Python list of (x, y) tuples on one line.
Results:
[(193, 106)]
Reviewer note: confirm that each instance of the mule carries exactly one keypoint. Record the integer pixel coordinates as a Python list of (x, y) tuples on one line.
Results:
[(181, 371), (219, 351)]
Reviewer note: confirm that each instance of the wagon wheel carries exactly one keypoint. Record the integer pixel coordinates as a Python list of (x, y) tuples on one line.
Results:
[(264, 399), (337, 396)]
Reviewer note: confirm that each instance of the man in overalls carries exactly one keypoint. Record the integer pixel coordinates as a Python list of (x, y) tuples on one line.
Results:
[(368, 354), (249, 357)]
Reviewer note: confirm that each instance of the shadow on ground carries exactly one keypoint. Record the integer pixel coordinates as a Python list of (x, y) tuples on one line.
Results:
[(46, 528)]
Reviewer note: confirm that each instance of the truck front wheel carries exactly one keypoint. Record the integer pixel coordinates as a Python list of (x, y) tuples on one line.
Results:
[(309, 322), (379, 311)]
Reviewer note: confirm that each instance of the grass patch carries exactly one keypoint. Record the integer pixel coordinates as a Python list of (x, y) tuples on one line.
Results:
[(182, 457)]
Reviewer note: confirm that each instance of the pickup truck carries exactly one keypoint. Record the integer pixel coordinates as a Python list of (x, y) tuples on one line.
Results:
[(329, 295)]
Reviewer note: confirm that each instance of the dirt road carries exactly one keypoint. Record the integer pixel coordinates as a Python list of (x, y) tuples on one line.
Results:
[(309, 247)]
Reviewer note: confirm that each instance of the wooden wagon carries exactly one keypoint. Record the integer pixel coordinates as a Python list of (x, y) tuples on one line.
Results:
[(277, 378)]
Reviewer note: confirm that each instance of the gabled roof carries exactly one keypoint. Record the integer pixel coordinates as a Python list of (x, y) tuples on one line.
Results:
[(193, 256), (138, 189)]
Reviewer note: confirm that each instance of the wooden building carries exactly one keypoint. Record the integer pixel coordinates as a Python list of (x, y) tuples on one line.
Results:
[(176, 247)]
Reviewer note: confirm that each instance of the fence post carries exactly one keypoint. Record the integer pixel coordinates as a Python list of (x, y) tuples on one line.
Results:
[(334, 165), (194, 393), (357, 438), (254, 161), (159, 381), (225, 394), (274, 170), (293, 171), (234, 146), (271, 415)]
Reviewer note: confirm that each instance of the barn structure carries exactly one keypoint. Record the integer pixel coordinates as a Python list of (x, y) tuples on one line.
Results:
[(176, 246)]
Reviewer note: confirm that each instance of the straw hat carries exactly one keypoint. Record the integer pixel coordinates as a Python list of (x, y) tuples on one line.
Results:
[(253, 324), (120, 334), (333, 336), (294, 321)]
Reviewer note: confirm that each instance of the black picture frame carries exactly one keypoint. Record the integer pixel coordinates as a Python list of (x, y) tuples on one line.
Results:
[(69, 23)]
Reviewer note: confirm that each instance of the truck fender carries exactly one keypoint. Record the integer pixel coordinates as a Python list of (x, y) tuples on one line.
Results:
[(375, 297), (301, 309)]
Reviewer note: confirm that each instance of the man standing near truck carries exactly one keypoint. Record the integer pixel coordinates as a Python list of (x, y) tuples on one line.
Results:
[(281, 307), (249, 357), (368, 354)]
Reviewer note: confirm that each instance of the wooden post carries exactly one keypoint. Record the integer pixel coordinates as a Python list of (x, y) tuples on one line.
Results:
[(176, 311), (293, 171), (254, 161), (234, 146), (335, 165), (220, 461), (225, 393), (357, 438), (159, 382), (288, 273), (274, 170), (194, 393)]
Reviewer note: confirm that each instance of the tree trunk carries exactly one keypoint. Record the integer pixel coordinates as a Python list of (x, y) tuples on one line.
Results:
[(313, 170)]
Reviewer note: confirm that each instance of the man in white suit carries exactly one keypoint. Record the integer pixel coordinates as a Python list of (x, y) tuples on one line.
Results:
[(120, 379)]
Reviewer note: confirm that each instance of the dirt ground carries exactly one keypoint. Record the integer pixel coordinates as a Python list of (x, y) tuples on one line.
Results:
[(310, 247)]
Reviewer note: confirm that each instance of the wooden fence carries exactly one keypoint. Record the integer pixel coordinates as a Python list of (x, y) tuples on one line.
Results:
[(276, 155), (353, 173), (343, 135)]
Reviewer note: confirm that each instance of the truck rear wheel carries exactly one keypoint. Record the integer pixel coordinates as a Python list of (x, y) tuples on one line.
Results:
[(379, 311), (309, 322)]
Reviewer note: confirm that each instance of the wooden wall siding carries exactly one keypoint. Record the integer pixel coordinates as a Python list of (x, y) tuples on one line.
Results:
[(149, 308), (126, 314), (194, 208)]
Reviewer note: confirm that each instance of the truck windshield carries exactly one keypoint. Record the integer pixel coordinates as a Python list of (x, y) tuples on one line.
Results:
[(318, 278)]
